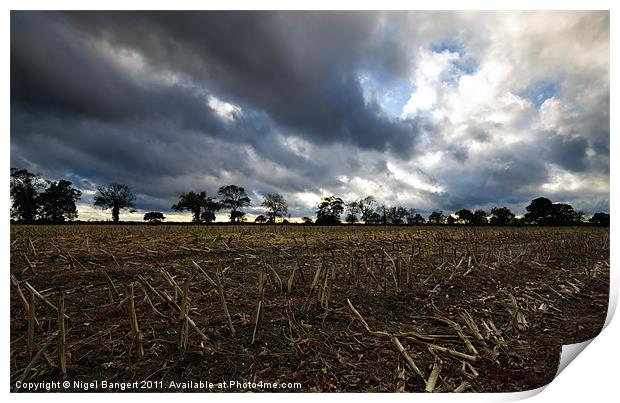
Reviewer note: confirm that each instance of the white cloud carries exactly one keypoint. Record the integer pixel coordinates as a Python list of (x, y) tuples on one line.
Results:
[(225, 110), (428, 79)]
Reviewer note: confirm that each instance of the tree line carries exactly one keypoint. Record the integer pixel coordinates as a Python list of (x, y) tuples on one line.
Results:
[(34, 199)]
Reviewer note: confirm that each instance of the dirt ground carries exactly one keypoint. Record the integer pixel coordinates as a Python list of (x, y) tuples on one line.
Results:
[(342, 309)]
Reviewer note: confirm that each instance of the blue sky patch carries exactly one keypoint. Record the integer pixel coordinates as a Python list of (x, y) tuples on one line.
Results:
[(539, 92)]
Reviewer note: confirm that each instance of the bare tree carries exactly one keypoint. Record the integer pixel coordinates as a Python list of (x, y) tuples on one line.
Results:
[(276, 206), (115, 197)]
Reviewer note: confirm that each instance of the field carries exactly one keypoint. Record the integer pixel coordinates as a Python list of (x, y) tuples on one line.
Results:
[(341, 309)]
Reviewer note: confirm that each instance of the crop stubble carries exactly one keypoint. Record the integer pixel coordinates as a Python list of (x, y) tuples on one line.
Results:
[(349, 308)]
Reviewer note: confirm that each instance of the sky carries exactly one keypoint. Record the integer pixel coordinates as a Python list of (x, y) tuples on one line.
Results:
[(427, 110)]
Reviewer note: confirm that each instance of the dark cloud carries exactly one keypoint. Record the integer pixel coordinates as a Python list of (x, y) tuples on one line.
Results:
[(298, 68), (168, 102)]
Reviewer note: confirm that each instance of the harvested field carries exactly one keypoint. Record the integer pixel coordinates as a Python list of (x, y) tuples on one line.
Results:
[(340, 309)]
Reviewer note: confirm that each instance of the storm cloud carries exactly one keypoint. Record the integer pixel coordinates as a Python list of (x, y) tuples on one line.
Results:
[(428, 110)]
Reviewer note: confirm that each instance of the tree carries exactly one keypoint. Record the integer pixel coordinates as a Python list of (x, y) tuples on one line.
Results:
[(601, 219), (353, 211), (565, 214), (307, 220), (24, 192), (233, 197), (116, 197), (365, 207), (480, 218), (57, 203), (415, 219), (261, 219), (329, 210), (154, 217), (465, 216), (501, 216), (397, 215), (350, 218), (542, 211), (276, 206), (237, 216), (437, 217), (373, 218), (203, 208), (208, 214), (384, 213), (539, 211)]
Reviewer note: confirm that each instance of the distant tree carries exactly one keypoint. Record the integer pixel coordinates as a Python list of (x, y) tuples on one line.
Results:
[(203, 208), (437, 217), (329, 210), (237, 216), (501, 216), (410, 215), (374, 218), (565, 214), (397, 215), (365, 207), (24, 193), (539, 211), (415, 219), (154, 217), (116, 197), (57, 203), (451, 220), (480, 218), (464, 216), (307, 220), (384, 212), (261, 219), (352, 211), (234, 198), (600, 219), (542, 211), (207, 215), (276, 206), (350, 218)]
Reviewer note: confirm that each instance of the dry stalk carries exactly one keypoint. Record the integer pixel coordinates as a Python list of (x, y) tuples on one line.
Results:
[(42, 298), (451, 352), (184, 306), (260, 298), (183, 318), (277, 276), (31, 326), (432, 378), (292, 278), (30, 264), (62, 358), (220, 288), (459, 331), (37, 356), (133, 321), (471, 324), (164, 297), (518, 318), (34, 251), (113, 291), (462, 387), (209, 279), (22, 298), (393, 338)]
